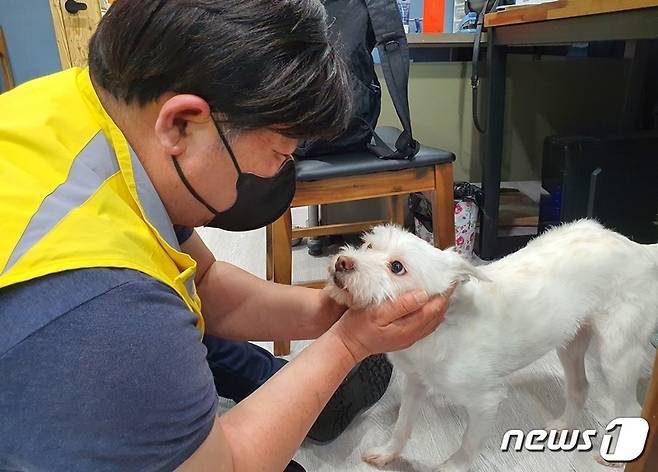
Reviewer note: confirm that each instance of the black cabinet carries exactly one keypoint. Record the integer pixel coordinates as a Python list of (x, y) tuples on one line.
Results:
[(613, 179)]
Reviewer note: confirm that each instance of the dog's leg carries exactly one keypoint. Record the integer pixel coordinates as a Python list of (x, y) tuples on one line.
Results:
[(572, 357), (622, 366), (412, 394), (481, 417)]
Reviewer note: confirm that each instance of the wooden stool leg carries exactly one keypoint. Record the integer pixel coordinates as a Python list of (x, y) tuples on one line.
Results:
[(269, 255), (443, 207), (282, 264), (395, 208)]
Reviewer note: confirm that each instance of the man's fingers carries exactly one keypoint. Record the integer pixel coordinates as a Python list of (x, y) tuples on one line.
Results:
[(435, 308), (448, 293), (424, 321), (402, 306), (433, 323)]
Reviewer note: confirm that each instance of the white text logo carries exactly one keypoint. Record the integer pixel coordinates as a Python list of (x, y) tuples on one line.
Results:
[(630, 440)]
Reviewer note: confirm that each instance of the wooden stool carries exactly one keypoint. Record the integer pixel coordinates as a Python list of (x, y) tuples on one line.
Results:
[(358, 176)]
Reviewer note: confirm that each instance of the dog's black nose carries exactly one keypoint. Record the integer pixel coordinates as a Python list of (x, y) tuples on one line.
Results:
[(344, 263)]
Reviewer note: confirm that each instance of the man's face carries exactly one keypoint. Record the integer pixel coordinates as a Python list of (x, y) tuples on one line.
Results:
[(186, 130), (262, 152)]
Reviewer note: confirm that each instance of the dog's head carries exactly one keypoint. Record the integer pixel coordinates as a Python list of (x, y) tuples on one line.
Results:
[(392, 261)]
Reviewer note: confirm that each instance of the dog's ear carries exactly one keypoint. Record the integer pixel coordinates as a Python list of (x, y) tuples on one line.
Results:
[(464, 269)]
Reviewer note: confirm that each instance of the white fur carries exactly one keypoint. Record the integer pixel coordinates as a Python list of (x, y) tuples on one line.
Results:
[(574, 284)]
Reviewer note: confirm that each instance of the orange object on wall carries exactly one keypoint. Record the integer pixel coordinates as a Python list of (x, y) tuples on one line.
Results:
[(433, 16)]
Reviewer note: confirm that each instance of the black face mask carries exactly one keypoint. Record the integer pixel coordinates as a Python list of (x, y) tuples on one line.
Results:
[(260, 201)]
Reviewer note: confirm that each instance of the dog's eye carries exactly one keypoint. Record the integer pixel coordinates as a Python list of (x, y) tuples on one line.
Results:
[(397, 268), (369, 246)]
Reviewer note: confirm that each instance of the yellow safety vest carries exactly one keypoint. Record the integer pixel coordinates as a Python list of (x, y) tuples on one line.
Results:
[(74, 195)]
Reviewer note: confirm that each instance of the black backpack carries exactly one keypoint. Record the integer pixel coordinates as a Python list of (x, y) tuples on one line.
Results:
[(356, 28)]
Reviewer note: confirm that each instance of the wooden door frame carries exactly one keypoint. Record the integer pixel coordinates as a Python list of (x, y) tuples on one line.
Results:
[(7, 77), (72, 39)]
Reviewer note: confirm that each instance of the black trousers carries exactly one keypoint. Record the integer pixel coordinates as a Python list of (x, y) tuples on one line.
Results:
[(294, 467), (239, 368)]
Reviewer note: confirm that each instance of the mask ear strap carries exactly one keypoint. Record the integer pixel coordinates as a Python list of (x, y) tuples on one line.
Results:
[(227, 146), (190, 188)]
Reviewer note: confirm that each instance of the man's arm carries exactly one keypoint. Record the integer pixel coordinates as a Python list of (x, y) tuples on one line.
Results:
[(238, 305), (262, 432)]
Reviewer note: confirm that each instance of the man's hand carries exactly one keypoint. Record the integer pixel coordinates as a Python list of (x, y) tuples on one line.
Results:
[(391, 326), (328, 310), (240, 306)]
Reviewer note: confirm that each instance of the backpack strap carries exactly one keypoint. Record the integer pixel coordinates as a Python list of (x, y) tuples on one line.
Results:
[(391, 42), (475, 76)]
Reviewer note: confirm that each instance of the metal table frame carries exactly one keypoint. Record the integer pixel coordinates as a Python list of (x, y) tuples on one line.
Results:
[(623, 25)]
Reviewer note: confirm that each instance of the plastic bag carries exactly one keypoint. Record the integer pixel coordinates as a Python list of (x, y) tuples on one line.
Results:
[(468, 200)]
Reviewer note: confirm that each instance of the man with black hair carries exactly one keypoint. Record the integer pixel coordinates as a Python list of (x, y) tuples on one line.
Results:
[(187, 116)]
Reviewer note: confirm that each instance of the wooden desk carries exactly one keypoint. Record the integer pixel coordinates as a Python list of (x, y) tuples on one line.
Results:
[(442, 40), (562, 22), (562, 9), (566, 22), (572, 21)]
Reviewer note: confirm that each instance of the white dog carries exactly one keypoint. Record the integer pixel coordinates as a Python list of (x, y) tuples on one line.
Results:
[(575, 284)]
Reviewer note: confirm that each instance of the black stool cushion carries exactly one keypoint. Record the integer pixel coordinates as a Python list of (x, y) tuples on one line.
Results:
[(360, 163)]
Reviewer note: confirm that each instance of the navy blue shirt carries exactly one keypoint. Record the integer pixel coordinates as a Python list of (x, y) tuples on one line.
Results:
[(103, 370)]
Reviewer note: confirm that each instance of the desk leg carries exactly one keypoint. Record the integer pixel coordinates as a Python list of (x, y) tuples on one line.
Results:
[(492, 151), (636, 56)]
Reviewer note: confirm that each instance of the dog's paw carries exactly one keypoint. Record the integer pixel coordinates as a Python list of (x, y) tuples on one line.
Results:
[(451, 466), (602, 461), (557, 424), (380, 456)]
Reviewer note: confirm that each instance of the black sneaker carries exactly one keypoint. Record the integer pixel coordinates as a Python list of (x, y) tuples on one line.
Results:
[(361, 389), (294, 467)]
